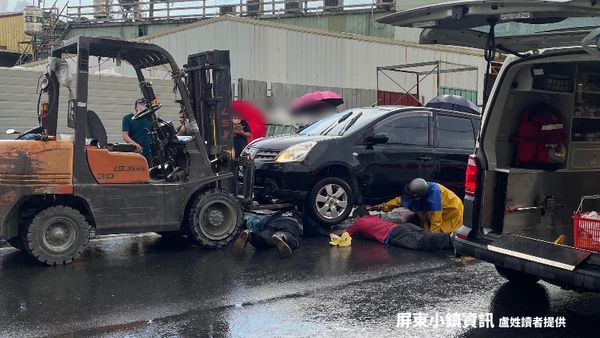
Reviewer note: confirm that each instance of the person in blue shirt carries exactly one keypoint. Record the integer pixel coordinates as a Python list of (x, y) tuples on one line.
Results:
[(135, 131)]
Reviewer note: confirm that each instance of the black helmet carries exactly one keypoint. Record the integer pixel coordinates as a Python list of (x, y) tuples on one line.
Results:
[(416, 188)]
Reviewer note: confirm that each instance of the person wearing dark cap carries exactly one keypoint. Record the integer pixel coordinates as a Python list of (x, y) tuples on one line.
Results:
[(135, 130), (438, 208)]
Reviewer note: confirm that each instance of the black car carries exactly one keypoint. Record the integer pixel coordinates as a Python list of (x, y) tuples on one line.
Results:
[(363, 155)]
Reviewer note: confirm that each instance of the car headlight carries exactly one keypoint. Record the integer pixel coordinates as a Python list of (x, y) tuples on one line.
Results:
[(249, 152), (295, 153)]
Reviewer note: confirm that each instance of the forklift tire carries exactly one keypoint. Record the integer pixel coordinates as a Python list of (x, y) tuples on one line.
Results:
[(16, 242), (171, 234), (57, 235), (517, 277), (214, 219)]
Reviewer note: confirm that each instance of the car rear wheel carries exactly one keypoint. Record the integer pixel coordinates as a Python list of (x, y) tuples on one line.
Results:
[(330, 200), (517, 277), (214, 219), (57, 235)]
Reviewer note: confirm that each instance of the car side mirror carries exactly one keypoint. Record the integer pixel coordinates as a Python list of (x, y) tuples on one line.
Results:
[(11, 131), (376, 139)]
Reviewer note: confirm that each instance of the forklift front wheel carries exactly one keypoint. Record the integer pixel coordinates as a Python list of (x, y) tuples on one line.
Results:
[(214, 219), (16, 242), (57, 235)]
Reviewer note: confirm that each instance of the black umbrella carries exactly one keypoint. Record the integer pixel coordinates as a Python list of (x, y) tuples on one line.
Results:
[(453, 102)]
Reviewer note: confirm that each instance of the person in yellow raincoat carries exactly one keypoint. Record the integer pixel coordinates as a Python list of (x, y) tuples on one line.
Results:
[(438, 208)]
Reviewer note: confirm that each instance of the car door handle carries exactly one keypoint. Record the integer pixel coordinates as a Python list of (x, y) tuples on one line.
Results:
[(424, 158)]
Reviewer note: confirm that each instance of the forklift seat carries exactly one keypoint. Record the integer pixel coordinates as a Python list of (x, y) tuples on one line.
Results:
[(96, 130), (97, 133)]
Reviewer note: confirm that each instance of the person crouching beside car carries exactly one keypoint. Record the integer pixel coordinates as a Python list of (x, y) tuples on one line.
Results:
[(438, 208)]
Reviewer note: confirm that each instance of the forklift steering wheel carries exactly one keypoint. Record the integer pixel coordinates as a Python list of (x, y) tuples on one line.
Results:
[(146, 112)]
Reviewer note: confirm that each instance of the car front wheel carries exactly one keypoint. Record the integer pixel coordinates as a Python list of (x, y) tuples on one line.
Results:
[(330, 200)]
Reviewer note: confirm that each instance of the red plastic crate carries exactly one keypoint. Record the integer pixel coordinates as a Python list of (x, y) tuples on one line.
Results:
[(586, 233)]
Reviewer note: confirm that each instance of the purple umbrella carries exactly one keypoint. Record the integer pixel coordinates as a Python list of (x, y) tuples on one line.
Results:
[(316, 101), (453, 102)]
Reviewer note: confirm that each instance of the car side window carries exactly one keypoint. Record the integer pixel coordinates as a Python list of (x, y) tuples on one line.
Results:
[(455, 132), (413, 130)]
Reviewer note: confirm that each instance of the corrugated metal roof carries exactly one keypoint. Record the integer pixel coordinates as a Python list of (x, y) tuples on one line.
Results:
[(12, 31), (6, 14), (321, 32)]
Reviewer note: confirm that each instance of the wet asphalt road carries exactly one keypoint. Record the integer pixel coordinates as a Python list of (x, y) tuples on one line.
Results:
[(150, 286)]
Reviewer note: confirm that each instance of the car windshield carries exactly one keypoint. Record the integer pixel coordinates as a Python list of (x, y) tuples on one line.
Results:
[(344, 123)]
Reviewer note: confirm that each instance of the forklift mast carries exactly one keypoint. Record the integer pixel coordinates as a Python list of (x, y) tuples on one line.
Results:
[(209, 85)]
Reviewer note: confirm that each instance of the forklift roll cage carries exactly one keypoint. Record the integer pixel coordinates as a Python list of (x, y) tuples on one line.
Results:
[(140, 56)]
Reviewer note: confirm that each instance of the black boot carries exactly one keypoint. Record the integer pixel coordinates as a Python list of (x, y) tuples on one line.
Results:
[(278, 239), (240, 242)]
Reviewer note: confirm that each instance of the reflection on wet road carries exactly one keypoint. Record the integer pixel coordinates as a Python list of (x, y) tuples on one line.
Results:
[(150, 286)]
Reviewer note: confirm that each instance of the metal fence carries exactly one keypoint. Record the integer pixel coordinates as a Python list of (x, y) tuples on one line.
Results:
[(150, 10)]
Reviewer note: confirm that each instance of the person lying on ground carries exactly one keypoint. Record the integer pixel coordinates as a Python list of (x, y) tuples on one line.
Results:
[(406, 235), (283, 231), (438, 208)]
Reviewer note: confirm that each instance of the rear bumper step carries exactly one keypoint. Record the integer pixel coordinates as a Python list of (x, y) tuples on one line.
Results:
[(584, 277)]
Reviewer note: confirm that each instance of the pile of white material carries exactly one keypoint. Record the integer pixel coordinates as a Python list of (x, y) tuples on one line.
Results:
[(591, 215)]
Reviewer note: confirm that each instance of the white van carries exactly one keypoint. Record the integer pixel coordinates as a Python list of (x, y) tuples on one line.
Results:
[(519, 214)]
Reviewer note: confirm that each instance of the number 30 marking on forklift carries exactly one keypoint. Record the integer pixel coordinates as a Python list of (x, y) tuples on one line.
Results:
[(105, 176)]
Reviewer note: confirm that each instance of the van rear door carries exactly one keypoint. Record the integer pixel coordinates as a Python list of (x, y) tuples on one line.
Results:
[(520, 26)]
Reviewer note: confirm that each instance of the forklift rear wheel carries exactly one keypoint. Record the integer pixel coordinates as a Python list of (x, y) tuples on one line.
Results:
[(57, 235), (214, 219), (516, 277)]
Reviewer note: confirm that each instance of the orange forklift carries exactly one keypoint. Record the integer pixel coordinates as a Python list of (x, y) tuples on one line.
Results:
[(56, 192)]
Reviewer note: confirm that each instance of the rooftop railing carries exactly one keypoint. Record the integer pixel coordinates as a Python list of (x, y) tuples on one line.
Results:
[(153, 10)]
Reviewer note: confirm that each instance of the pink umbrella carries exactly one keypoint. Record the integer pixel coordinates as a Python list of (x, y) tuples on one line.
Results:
[(316, 101), (253, 116)]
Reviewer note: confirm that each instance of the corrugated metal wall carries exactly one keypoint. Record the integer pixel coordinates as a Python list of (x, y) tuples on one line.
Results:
[(352, 97), (276, 53), (124, 32), (12, 32), (355, 23), (282, 94), (470, 95), (287, 54), (110, 97)]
